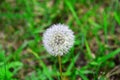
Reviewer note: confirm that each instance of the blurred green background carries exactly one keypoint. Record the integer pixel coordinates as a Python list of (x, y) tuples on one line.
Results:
[(96, 52)]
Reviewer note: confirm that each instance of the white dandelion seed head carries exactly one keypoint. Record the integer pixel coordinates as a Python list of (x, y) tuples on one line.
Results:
[(58, 39)]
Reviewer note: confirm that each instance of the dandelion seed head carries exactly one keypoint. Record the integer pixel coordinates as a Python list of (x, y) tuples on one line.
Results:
[(58, 39)]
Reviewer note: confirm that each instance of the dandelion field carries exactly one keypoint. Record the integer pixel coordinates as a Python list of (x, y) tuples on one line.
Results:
[(96, 51)]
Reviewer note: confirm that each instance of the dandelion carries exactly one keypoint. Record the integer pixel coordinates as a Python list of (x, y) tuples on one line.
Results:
[(58, 39)]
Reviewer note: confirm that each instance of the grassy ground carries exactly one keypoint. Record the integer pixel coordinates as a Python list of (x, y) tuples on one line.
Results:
[(96, 52)]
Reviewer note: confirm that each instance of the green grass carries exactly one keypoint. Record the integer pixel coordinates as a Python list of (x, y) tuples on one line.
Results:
[(96, 25)]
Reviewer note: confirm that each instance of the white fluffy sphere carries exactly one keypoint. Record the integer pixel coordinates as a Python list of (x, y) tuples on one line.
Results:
[(58, 39)]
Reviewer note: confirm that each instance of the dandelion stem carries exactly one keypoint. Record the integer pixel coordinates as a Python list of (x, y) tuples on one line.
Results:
[(60, 66)]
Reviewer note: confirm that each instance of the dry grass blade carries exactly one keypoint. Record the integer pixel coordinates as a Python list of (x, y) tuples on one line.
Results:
[(114, 71)]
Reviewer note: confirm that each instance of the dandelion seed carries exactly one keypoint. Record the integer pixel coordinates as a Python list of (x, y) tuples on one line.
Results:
[(58, 39)]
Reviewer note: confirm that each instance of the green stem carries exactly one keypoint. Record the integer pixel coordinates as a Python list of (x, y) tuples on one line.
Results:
[(60, 66)]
